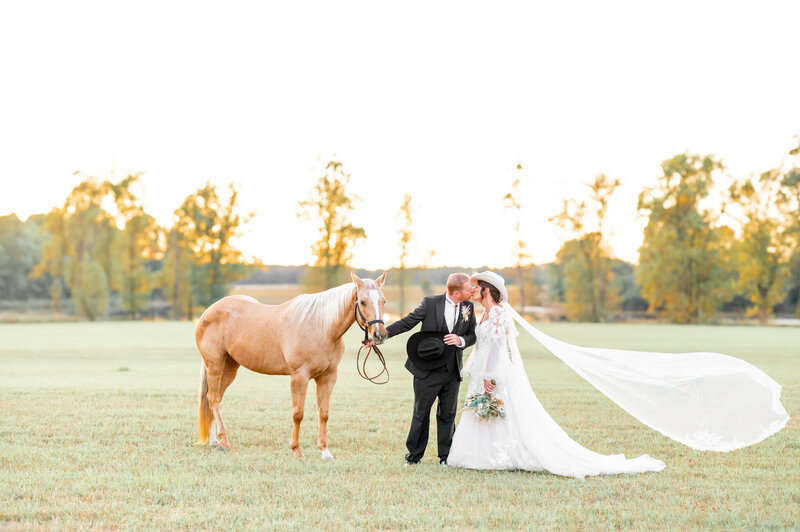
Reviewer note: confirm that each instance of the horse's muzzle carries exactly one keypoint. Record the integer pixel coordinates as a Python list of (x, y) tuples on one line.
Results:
[(379, 335)]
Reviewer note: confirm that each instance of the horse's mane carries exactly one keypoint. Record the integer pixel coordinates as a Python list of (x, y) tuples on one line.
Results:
[(322, 309)]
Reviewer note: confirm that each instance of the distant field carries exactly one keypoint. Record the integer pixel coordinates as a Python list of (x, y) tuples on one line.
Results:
[(98, 431)]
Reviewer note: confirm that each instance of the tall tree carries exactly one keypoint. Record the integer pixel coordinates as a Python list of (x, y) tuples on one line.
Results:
[(684, 262), (20, 252), (138, 244), (331, 205), (98, 243), (140, 238), (202, 239), (405, 238), (789, 194), (80, 247), (512, 202), (589, 284), (788, 203), (762, 253), (53, 259), (178, 264)]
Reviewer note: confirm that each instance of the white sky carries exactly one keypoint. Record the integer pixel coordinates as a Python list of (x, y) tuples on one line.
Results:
[(437, 99)]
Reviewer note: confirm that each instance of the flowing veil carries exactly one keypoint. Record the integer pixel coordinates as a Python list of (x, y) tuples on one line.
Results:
[(707, 401)]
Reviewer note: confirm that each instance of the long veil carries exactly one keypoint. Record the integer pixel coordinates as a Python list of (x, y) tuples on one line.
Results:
[(708, 401)]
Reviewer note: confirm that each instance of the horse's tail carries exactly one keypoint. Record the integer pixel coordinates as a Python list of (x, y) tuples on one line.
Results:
[(204, 415)]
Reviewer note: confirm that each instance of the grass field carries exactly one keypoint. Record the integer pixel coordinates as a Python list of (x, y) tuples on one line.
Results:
[(98, 431)]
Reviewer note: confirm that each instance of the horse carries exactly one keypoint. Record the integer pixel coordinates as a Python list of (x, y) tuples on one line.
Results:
[(301, 338)]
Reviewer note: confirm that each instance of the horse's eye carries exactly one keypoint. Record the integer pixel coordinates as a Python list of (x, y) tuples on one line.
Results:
[(363, 303)]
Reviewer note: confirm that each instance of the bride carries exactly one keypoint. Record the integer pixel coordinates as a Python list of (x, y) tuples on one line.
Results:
[(716, 402)]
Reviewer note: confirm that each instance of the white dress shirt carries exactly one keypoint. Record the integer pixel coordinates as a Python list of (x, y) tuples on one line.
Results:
[(451, 310)]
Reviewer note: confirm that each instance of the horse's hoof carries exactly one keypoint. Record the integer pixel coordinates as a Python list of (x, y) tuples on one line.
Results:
[(221, 448), (327, 456)]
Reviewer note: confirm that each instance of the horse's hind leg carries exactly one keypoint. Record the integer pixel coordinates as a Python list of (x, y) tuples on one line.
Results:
[(221, 373), (299, 388), (325, 384)]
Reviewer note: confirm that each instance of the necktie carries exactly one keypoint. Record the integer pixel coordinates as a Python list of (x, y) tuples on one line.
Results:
[(455, 315)]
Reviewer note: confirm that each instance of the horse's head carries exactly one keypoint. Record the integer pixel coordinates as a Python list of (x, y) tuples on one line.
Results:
[(369, 307)]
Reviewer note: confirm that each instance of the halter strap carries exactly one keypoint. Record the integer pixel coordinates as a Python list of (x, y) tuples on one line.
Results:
[(362, 367), (360, 314)]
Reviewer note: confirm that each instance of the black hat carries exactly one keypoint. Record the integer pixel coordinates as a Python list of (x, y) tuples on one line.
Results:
[(426, 349)]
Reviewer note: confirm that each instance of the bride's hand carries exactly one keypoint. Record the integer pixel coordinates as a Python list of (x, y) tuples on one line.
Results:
[(488, 386)]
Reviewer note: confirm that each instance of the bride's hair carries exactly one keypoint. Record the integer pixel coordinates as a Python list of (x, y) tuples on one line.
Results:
[(495, 293)]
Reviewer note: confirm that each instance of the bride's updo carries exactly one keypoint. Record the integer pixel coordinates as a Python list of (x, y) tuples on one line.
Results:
[(494, 292)]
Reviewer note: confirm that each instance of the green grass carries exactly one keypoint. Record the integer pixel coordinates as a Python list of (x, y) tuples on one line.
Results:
[(98, 430)]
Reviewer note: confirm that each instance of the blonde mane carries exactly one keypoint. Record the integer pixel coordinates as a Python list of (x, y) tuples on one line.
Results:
[(323, 309)]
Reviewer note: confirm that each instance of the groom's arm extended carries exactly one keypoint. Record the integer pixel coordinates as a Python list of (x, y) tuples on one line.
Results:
[(407, 323)]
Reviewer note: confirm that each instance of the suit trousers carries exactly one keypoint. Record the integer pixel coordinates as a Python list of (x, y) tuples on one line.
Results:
[(442, 384)]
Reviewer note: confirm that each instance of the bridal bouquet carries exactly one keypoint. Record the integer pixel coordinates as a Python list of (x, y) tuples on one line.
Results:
[(485, 405)]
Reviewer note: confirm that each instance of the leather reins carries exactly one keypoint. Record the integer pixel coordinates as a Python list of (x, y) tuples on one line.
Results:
[(362, 367)]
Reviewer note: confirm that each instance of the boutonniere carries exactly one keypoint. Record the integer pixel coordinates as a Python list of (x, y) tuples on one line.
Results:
[(465, 312)]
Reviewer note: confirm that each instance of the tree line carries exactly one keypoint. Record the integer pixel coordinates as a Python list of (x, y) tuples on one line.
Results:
[(712, 242), (101, 243), (692, 263)]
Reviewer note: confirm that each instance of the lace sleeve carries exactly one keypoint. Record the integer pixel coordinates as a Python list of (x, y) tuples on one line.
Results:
[(498, 317), (497, 359)]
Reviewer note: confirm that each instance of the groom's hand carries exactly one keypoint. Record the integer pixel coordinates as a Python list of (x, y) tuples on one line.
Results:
[(452, 339)]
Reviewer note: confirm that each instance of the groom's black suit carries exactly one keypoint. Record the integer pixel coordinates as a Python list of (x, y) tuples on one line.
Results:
[(441, 382)]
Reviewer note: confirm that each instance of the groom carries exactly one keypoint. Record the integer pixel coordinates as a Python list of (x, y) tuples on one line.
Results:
[(451, 318)]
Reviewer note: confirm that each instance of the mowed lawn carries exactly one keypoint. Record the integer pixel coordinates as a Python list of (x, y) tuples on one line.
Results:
[(98, 430)]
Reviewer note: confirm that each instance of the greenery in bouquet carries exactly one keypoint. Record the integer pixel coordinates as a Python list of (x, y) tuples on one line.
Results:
[(485, 406)]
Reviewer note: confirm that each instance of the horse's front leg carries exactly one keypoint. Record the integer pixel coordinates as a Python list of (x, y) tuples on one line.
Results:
[(325, 384), (299, 387)]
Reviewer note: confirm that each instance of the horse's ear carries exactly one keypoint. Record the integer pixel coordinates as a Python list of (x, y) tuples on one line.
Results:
[(380, 280), (356, 279)]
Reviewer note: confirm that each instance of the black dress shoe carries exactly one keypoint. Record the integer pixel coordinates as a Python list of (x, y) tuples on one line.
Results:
[(443, 462), (410, 463)]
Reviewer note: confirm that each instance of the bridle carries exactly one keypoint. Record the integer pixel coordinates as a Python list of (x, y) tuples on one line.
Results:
[(362, 367), (360, 314)]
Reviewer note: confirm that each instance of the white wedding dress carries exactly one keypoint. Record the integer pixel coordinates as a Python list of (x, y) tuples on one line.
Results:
[(527, 438)]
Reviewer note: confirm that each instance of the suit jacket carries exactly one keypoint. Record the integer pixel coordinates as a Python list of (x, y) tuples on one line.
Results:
[(431, 313)]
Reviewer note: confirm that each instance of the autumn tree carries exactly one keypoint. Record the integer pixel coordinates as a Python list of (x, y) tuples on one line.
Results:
[(586, 261), (99, 243), (201, 258), (788, 203), (511, 202), (684, 262), (80, 247), (178, 265), (138, 244), (404, 215), (20, 252), (330, 205), (762, 252)]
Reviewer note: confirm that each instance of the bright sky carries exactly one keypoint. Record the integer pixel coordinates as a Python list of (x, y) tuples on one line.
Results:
[(438, 99)]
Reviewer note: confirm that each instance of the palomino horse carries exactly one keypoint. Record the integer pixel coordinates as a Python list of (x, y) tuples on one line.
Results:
[(301, 338)]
